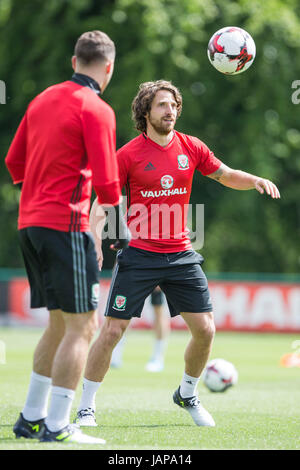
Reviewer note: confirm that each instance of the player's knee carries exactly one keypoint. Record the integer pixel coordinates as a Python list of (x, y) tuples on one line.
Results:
[(92, 326), (84, 326), (114, 331), (206, 329), (209, 330)]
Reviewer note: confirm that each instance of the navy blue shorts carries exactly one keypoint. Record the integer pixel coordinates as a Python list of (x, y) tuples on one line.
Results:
[(62, 269), (139, 272)]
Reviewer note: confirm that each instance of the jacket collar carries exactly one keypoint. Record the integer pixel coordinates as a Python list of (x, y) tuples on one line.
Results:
[(85, 80)]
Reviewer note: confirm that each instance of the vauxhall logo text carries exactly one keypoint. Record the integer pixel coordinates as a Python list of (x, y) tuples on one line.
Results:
[(164, 192), (166, 182)]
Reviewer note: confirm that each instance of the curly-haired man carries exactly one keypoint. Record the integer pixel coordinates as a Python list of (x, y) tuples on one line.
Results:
[(157, 169)]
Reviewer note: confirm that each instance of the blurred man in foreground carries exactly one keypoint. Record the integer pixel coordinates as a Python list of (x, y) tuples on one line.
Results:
[(64, 145)]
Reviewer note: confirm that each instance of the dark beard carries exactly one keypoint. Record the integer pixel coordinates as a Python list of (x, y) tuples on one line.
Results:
[(159, 128)]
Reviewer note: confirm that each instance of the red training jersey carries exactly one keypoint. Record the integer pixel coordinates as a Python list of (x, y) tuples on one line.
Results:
[(65, 143), (158, 184)]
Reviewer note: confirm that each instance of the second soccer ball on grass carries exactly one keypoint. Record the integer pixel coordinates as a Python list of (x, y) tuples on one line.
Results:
[(219, 375)]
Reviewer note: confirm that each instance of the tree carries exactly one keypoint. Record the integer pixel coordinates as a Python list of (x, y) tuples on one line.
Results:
[(249, 120)]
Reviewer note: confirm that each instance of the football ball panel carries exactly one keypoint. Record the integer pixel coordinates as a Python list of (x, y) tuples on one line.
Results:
[(231, 50)]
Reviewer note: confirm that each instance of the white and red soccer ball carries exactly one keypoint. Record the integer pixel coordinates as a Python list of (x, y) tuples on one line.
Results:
[(219, 375), (231, 50)]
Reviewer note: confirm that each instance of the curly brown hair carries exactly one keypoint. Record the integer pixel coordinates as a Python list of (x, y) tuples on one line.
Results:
[(141, 104)]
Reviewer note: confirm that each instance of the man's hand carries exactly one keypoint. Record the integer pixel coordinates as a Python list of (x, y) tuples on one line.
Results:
[(119, 245), (97, 222), (115, 218), (262, 185), (118, 224), (99, 253)]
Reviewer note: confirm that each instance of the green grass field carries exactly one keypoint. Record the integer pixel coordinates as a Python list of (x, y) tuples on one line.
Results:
[(135, 408)]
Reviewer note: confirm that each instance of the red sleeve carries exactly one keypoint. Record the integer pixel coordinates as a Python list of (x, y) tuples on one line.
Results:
[(99, 133), (16, 156), (207, 162), (123, 162)]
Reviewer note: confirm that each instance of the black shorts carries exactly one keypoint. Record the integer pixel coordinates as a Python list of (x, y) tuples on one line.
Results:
[(62, 269), (157, 297), (138, 272)]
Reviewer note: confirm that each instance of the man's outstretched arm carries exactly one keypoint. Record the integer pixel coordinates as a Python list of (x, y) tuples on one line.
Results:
[(237, 179)]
